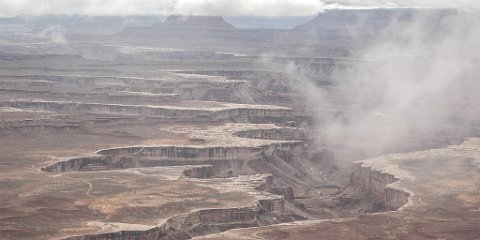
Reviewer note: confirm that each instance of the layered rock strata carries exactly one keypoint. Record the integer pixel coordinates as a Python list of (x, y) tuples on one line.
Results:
[(376, 184), (205, 221), (221, 111)]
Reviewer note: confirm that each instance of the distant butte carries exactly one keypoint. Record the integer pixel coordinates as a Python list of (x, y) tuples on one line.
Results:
[(198, 22)]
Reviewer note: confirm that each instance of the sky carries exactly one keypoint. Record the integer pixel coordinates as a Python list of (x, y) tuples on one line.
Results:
[(272, 8)]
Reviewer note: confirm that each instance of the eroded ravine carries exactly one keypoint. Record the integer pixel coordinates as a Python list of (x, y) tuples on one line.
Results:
[(418, 195), (272, 168), (203, 163), (230, 161)]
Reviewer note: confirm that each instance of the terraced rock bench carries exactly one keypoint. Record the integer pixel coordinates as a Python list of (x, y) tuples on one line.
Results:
[(214, 111)]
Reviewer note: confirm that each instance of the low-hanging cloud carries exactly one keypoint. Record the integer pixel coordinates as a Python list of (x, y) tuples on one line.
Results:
[(461, 4), (419, 81), (162, 7), (10, 8), (54, 34)]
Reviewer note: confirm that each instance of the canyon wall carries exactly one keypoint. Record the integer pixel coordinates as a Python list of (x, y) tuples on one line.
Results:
[(223, 161), (224, 112), (205, 221), (375, 184)]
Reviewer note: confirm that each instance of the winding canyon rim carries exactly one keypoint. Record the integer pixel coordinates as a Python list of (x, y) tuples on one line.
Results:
[(239, 120)]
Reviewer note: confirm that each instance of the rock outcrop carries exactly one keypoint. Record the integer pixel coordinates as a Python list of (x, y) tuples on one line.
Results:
[(76, 164), (206, 171), (349, 25), (221, 111), (284, 134), (223, 161), (372, 190), (111, 89), (202, 27), (195, 22)]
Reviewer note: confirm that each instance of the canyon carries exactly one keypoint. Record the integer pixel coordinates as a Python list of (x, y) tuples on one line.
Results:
[(189, 127)]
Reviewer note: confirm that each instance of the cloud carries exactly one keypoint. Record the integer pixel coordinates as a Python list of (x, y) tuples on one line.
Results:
[(54, 34), (251, 7), (161, 7), (419, 81), (11, 8), (460, 4), (86, 7)]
